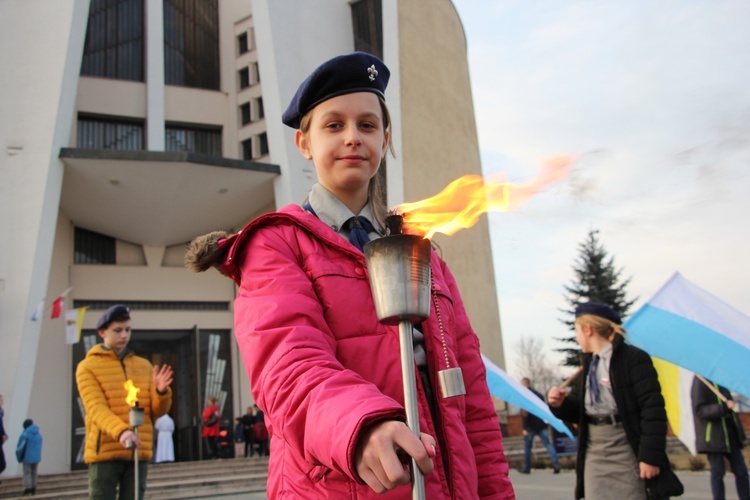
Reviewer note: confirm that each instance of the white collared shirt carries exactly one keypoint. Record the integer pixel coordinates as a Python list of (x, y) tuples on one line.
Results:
[(334, 213), (606, 404)]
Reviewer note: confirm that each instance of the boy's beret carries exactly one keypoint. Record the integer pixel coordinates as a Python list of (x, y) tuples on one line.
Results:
[(119, 312), (355, 72)]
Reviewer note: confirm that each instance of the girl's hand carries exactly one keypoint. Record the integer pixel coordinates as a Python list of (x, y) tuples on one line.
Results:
[(384, 453), (648, 471), (555, 397)]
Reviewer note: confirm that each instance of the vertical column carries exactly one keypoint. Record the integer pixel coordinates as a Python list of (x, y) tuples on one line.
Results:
[(155, 75)]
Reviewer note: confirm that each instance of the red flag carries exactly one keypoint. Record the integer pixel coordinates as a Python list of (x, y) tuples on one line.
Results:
[(57, 307)]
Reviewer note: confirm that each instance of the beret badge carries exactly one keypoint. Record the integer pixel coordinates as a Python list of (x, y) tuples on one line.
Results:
[(372, 73)]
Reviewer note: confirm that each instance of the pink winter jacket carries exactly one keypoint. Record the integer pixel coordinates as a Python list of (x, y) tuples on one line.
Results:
[(323, 368)]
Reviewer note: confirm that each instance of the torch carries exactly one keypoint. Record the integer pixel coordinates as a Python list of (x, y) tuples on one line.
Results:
[(399, 268), (136, 420)]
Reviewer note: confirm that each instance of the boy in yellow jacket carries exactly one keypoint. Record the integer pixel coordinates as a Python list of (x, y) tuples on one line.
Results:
[(110, 441)]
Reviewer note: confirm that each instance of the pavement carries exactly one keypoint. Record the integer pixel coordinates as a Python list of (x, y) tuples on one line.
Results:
[(542, 484)]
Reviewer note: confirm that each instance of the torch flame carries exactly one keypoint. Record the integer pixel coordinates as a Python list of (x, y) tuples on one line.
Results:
[(464, 200), (132, 398)]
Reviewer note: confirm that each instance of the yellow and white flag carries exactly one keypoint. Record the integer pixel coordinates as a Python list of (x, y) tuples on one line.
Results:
[(74, 324), (676, 384)]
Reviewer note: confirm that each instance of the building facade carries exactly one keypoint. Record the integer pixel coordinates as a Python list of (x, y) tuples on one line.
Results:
[(130, 126)]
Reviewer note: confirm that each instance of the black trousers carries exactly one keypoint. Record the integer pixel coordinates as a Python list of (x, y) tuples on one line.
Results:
[(212, 447)]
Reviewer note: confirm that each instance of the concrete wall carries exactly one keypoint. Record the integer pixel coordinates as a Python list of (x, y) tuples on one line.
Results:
[(440, 145), (42, 45)]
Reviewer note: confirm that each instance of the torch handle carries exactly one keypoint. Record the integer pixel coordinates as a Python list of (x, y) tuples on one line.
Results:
[(135, 462), (410, 400)]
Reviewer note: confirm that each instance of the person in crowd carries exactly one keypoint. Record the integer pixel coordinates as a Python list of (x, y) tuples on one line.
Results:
[(111, 443), (164, 425), (620, 413), (324, 370), (260, 432), (3, 437), (239, 438), (29, 453), (719, 434), (211, 427), (248, 422), (534, 426)]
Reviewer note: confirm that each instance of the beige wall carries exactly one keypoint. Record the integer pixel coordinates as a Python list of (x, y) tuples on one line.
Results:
[(440, 145), (51, 400)]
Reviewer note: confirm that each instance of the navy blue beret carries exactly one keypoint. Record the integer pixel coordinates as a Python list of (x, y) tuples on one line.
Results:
[(598, 309), (118, 312), (355, 72)]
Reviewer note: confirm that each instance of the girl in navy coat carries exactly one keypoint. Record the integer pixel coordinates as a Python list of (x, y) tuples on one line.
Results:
[(622, 422)]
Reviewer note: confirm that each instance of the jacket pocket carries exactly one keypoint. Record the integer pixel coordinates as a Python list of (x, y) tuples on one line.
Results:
[(98, 441), (344, 293)]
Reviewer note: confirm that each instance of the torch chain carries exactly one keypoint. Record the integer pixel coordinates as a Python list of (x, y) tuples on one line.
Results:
[(440, 323)]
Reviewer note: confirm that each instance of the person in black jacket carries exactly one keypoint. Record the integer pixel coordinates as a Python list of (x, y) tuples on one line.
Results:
[(619, 408), (535, 426), (3, 437), (719, 434)]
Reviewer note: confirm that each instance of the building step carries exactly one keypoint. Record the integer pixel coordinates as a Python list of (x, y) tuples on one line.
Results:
[(165, 481)]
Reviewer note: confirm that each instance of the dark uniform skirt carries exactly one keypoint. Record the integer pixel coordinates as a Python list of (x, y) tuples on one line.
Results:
[(611, 469)]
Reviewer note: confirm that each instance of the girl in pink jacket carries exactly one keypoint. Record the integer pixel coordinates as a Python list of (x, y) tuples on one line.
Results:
[(322, 367)]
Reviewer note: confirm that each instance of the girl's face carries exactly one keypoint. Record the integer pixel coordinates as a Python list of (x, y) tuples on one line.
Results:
[(582, 338), (346, 141)]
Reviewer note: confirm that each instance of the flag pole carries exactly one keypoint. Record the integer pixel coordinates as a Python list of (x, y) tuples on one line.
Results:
[(570, 379), (715, 390)]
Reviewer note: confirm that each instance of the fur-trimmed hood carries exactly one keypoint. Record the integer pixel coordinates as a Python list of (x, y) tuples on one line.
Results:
[(208, 250), (218, 249)]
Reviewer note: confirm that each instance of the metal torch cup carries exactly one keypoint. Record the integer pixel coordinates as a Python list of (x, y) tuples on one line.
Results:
[(400, 276), (136, 420)]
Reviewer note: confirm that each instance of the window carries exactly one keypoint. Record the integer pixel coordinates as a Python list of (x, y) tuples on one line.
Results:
[(196, 140), (242, 43), (255, 72), (114, 40), (245, 113), (100, 133), (367, 22), (259, 107), (244, 75), (93, 248), (247, 149), (191, 43), (263, 138)]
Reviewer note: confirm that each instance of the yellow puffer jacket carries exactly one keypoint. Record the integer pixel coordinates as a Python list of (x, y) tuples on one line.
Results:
[(101, 378)]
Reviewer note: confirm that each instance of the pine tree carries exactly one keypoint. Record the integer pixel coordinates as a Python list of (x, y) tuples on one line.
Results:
[(596, 280)]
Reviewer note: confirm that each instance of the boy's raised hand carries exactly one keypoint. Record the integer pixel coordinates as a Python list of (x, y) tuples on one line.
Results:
[(162, 378)]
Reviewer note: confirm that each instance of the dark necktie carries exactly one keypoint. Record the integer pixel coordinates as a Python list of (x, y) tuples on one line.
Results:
[(592, 382), (359, 229)]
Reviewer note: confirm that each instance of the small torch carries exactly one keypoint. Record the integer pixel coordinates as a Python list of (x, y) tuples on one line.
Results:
[(136, 420), (400, 276)]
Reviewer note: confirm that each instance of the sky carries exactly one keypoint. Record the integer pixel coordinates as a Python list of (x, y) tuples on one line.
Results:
[(653, 101)]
